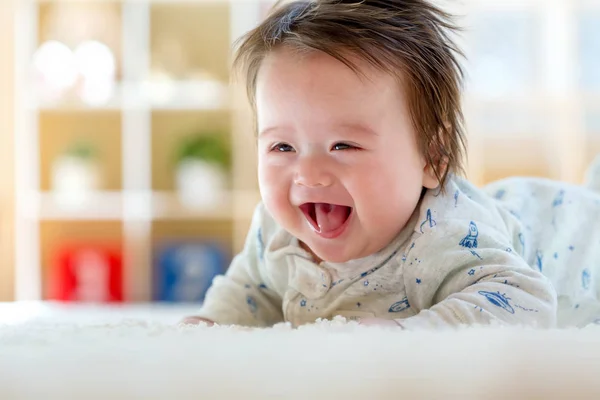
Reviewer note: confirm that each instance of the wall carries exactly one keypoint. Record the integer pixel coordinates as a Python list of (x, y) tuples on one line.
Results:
[(6, 151)]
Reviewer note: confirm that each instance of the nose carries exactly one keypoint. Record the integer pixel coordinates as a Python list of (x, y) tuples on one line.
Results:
[(312, 172)]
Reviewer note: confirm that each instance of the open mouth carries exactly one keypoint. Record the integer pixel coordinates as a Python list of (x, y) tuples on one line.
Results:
[(328, 220)]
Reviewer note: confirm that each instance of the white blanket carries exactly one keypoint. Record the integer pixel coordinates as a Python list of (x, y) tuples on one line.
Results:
[(49, 351)]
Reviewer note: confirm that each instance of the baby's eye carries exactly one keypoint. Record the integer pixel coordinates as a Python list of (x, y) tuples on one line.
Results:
[(342, 146), (282, 148)]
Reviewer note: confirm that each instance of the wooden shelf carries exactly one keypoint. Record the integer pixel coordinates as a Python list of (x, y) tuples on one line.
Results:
[(94, 206), (234, 205), (147, 114), (141, 206), (181, 95)]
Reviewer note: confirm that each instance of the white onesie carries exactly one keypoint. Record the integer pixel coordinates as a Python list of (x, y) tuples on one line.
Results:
[(505, 253)]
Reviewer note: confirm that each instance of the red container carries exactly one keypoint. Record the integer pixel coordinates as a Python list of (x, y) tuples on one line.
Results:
[(88, 273)]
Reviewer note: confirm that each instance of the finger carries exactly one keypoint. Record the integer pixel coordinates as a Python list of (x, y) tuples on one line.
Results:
[(196, 321)]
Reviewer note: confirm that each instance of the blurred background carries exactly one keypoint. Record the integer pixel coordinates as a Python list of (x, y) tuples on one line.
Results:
[(127, 159)]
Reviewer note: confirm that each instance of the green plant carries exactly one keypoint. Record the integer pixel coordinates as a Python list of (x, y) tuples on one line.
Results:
[(82, 150), (210, 147)]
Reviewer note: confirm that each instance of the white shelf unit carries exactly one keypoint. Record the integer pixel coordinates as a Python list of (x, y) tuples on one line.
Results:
[(153, 205), (181, 95), (137, 205), (554, 99)]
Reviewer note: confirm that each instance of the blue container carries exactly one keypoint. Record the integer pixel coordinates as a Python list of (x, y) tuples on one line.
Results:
[(184, 271)]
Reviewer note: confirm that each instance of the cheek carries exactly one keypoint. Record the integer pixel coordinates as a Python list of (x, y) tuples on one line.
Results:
[(377, 175), (393, 189), (270, 175), (267, 180), (274, 187)]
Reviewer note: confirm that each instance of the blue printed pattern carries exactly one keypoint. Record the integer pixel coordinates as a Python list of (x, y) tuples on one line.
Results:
[(500, 194), (333, 284), (384, 262), (539, 257), (526, 309), (503, 301), (559, 199), (260, 244), (470, 241), (404, 256), (251, 301), (498, 299), (400, 306), (429, 220), (586, 278)]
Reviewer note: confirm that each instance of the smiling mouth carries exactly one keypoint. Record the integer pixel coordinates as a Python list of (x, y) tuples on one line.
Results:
[(328, 220)]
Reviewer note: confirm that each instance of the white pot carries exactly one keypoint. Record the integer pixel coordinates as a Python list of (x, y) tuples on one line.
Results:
[(74, 179), (200, 184)]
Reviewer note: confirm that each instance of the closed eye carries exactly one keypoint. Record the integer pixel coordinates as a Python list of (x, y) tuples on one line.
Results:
[(282, 148), (343, 146)]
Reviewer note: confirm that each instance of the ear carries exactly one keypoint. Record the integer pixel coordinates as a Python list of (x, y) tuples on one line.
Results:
[(430, 181)]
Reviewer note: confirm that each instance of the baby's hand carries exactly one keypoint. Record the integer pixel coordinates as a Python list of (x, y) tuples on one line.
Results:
[(378, 322), (196, 321)]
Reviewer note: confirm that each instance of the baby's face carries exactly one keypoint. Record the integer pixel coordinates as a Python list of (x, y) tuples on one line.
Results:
[(338, 161)]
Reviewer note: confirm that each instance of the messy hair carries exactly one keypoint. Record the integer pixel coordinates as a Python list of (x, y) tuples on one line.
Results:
[(409, 39)]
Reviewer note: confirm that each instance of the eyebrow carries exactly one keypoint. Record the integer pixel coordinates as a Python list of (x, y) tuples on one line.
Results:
[(358, 127), (353, 127), (268, 130)]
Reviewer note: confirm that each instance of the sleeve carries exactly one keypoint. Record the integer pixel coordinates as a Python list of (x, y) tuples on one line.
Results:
[(469, 274), (243, 296)]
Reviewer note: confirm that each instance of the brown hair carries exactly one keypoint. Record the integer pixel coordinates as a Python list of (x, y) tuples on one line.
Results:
[(408, 39)]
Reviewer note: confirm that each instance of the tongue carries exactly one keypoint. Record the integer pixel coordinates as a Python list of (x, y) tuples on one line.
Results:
[(330, 217)]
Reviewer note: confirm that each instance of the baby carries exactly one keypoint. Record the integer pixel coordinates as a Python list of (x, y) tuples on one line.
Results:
[(364, 213)]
